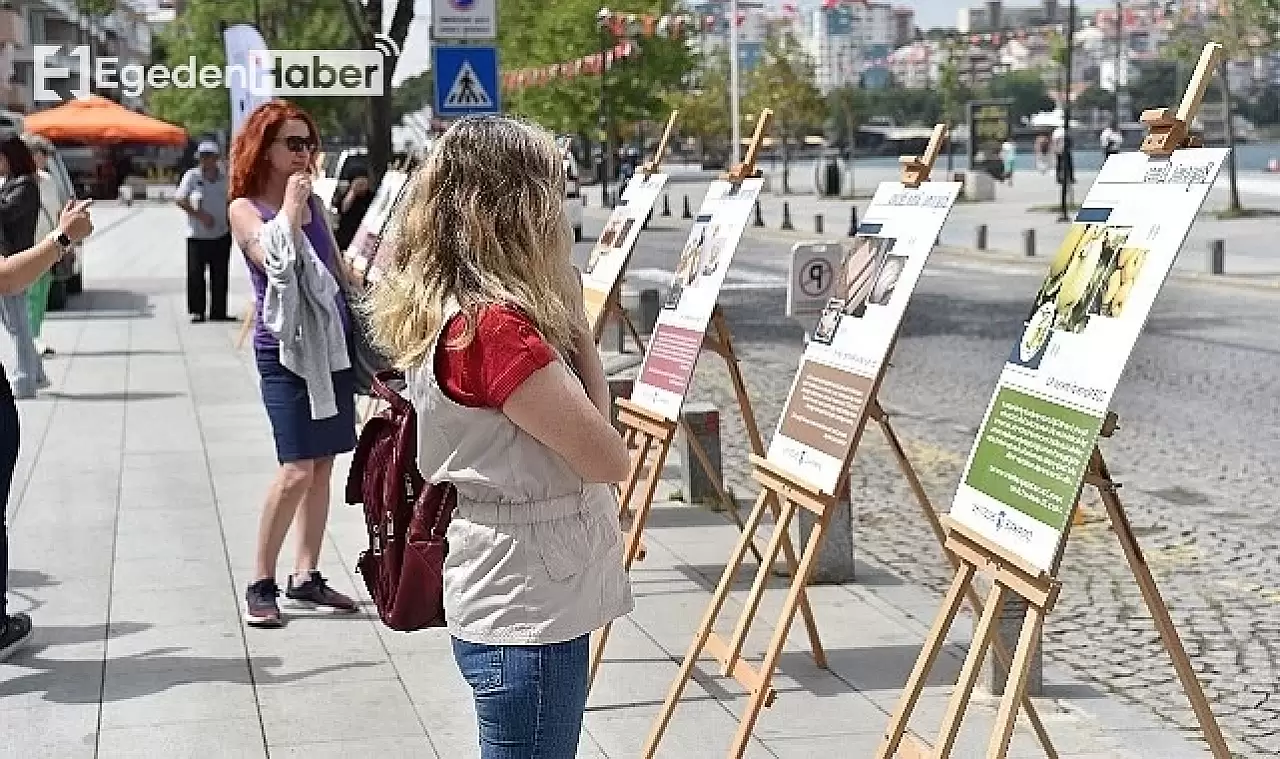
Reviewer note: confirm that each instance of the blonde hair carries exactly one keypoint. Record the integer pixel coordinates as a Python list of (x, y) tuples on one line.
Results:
[(482, 221)]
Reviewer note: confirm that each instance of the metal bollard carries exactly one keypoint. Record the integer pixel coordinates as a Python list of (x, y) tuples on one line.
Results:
[(620, 387), (835, 556), (1029, 242), (666, 204), (704, 421), (786, 216), (759, 222), (1008, 628), (982, 237), (853, 221), (817, 224), (687, 213), (650, 307), (1217, 256)]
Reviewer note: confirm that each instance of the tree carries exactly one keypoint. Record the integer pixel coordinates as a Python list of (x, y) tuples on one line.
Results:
[(412, 95), (366, 22), (783, 81), (704, 107), (1027, 90)]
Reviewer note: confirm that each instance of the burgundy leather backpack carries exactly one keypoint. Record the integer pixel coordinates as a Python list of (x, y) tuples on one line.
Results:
[(406, 517)]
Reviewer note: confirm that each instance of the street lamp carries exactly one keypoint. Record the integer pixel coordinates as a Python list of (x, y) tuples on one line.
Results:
[(603, 24)]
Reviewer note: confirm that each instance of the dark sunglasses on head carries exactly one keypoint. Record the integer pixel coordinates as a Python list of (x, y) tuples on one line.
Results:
[(299, 144)]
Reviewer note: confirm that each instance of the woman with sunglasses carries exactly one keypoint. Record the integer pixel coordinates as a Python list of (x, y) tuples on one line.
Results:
[(308, 387)]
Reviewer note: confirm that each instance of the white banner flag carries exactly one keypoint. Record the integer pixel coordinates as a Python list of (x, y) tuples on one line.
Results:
[(247, 61)]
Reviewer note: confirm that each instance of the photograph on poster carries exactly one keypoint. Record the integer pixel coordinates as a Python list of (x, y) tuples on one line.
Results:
[(610, 232), (621, 239), (829, 322), (887, 280), (859, 270)]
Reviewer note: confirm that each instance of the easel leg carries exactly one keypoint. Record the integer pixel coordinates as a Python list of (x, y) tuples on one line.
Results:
[(1156, 605), (704, 628), (637, 466), (704, 461), (924, 662), (998, 647), (631, 328), (969, 672), (1016, 687), (779, 641)]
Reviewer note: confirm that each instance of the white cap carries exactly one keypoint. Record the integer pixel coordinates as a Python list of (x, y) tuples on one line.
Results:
[(208, 146)]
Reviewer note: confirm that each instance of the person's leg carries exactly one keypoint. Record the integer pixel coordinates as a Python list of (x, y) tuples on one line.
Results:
[(28, 371), (529, 700), (219, 252), (307, 586), (195, 278), (286, 492), (15, 630)]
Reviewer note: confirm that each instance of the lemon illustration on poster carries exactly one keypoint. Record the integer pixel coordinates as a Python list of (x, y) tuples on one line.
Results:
[(686, 312), (1025, 470), (363, 247), (609, 257), (850, 344)]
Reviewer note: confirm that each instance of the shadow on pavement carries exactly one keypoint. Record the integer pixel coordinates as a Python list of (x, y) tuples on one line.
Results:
[(106, 304), (116, 395)]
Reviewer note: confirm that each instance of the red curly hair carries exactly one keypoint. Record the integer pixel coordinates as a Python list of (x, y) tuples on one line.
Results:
[(250, 146)]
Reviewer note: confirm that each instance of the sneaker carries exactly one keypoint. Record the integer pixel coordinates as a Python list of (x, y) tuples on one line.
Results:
[(315, 591), (16, 631), (260, 609)]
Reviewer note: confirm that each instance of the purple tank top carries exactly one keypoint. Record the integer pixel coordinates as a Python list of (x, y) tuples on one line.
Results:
[(320, 240)]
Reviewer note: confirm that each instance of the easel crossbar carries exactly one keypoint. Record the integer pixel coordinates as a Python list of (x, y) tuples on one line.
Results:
[(1036, 587), (640, 419), (748, 677), (787, 487)]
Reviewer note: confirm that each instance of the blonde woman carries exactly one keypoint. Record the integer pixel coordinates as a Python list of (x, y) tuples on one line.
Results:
[(482, 308)]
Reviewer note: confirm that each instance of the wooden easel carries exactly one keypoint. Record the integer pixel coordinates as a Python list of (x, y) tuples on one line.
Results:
[(613, 304), (973, 553), (795, 494), (649, 432)]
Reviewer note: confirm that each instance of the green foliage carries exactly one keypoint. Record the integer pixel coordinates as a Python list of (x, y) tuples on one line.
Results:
[(783, 81), (412, 95), (1096, 98), (704, 107), (196, 33), (1027, 90), (536, 33)]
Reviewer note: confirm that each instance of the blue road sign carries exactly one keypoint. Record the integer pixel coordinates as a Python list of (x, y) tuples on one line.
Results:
[(466, 80)]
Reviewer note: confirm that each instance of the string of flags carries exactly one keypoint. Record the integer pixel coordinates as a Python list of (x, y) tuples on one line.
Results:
[(589, 65), (632, 25)]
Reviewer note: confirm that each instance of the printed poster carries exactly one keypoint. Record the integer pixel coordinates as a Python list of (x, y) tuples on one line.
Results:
[(1023, 476), (849, 347), (609, 257), (363, 249), (677, 338)]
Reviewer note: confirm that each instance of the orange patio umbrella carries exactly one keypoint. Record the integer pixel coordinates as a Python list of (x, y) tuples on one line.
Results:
[(99, 121)]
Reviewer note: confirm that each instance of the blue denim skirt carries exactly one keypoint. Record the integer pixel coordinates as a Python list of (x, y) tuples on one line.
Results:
[(298, 436)]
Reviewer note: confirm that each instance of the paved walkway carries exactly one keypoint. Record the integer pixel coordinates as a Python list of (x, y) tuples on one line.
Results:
[(132, 525)]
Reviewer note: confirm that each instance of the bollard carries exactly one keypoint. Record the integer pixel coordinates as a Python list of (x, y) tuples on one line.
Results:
[(759, 222), (704, 421), (835, 555), (620, 387), (1029, 242), (1008, 628), (817, 224), (982, 237), (853, 221), (786, 216), (650, 307), (666, 204), (687, 213), (1217, 256)]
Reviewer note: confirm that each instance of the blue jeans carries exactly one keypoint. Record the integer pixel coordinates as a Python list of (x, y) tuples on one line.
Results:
[(529, 699)]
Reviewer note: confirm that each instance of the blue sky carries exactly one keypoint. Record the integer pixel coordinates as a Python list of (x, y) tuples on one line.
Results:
[(931, 13)]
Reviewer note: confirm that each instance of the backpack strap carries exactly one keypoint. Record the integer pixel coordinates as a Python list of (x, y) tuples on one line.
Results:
[(383, 389)]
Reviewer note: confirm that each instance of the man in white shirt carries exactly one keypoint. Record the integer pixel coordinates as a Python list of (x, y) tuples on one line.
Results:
[(51, 202), (203, 195)]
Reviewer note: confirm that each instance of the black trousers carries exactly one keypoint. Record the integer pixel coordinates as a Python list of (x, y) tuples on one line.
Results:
[(214, 254), (8, 461)]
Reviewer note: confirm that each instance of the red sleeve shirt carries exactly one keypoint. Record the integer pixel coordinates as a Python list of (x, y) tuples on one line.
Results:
[(505, 350)]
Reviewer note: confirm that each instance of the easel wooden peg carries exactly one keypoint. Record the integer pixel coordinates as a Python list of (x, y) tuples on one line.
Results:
[(747, 169), (1171, 131), (650, 167), (916, 169)]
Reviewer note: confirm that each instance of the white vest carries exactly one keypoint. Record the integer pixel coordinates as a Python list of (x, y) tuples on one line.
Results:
[(535, 554)]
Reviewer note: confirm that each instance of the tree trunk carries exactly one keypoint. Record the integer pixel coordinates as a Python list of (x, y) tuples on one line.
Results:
[(1233, 205)]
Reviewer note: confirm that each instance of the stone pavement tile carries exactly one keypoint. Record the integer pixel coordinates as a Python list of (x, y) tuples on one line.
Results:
[(165, 480), (224, 739), (312, 712), (318, 648), (165, 533), (161, 426), (48, 675), (194, 572), (383, 748), (131, 702), (835, 744), (440, 696), (65, 731)]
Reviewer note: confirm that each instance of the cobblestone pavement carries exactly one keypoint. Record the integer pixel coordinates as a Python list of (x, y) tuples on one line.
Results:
[(1195, 452)]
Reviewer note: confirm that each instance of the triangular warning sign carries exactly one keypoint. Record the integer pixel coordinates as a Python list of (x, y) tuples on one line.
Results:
[(467, 91)]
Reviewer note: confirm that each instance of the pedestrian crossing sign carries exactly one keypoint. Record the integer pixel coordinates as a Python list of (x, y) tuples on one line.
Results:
[(466, 80)]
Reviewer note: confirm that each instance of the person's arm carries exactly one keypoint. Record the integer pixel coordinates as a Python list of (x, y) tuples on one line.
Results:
[(551, 406), (20, 269), (182, 199), (245, 223)]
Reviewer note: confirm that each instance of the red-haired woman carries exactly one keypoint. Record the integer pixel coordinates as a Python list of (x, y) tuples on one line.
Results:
[(300, 342)]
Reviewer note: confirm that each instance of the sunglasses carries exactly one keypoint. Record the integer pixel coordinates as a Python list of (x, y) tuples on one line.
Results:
[(298, 144)]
